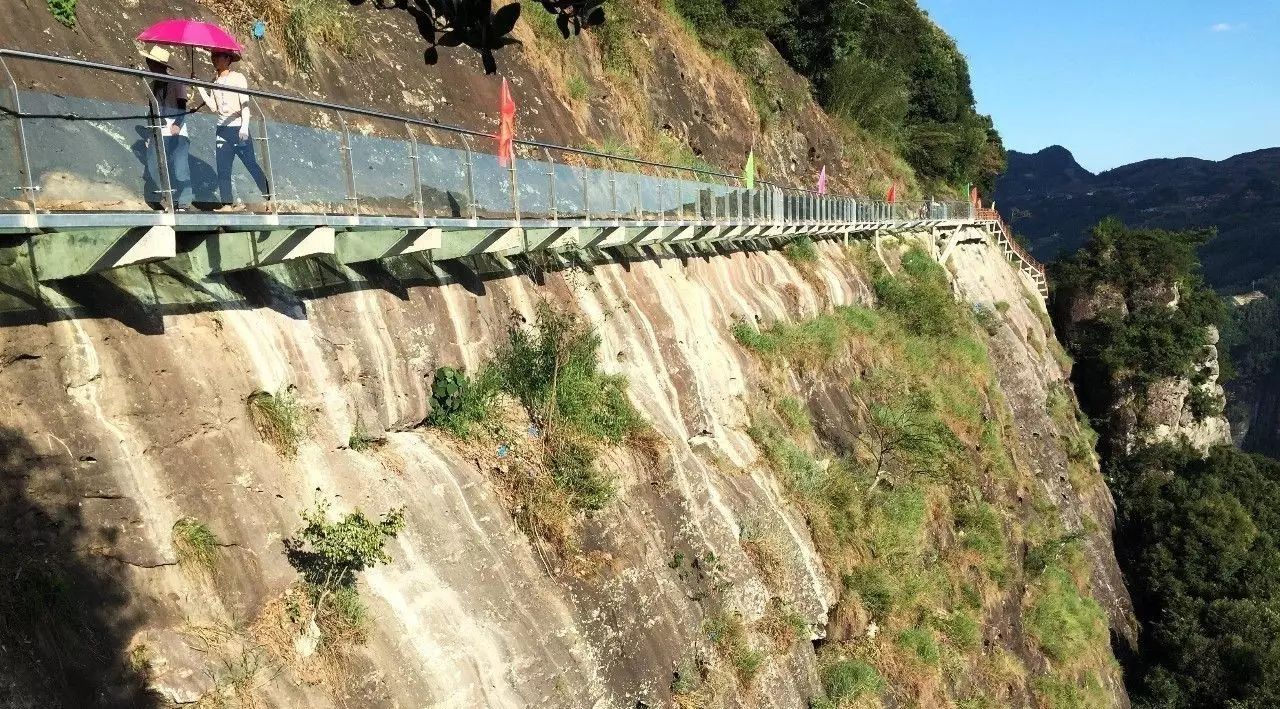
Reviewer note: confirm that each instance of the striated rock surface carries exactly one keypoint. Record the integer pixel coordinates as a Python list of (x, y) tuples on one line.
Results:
[(125, 412)]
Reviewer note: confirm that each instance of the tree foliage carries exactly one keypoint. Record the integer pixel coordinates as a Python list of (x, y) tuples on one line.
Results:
[(1197, 533), (1134, 278), (1202, 560), (880, 64)]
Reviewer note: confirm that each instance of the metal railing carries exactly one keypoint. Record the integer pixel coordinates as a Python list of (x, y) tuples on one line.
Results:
[(334, 159)]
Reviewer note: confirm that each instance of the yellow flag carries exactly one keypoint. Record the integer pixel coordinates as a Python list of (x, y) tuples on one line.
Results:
[(749, 175)]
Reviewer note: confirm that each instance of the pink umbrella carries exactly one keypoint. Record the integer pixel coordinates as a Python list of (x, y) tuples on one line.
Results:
[(191, 33)]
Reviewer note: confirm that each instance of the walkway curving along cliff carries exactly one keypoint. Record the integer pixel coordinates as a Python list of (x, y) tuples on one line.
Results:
[(92, 190)]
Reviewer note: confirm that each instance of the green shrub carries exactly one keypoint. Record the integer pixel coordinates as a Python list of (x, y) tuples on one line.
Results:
[(279, 419), (553, 369), (1065, 623), (847, 680), (63, 11), (921, 643), (802, 250), (578, 86), (1204, 404), (920, 297), (331, 555), (459, 403), (196, 544)]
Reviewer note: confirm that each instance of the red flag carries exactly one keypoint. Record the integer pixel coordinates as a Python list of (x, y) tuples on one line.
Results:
[(507, 128), (892, 196)]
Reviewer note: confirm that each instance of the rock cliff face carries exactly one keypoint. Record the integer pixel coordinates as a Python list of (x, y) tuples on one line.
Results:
[(125, 411)]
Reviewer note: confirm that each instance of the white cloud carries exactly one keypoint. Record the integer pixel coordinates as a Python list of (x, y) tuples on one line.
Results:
[(1225, 27)]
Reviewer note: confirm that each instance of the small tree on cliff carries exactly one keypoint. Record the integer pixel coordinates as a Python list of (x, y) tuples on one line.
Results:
[(330, 555)]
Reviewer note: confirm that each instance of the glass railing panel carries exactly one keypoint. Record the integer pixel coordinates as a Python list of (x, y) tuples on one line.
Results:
[(443, 171), (534, 175), (13, 180), (93, 153), (492, 181), (600, 190), (657, 195), (298, 159), (382, 166)]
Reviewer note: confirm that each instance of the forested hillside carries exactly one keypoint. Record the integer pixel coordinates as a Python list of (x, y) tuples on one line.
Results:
[(1197, 522), (882, 66), (1053, 202)]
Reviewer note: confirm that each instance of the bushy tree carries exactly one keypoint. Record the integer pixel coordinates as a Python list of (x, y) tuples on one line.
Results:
[(1198, 540)]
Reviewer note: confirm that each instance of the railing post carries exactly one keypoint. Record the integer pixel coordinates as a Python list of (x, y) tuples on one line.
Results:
[(162, 155), (586, 193), (613, 192), (639, 206), (414, 160), (347, 163), (28, 188), (680, 196), (662, 193), (471, 179), (515, 184), (551, 186), (267, 168)]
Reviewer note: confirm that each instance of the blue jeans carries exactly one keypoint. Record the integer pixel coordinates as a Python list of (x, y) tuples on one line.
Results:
[(227, 147), (177, 150)]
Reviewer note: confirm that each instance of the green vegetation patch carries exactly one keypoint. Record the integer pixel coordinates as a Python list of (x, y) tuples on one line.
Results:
[(1064, 622), (811, 343), (330, 555), (729, 635), (847, 680), (63, 11), (196, 544), (921, 643), (280, 419), (551, 369), (801, 250)]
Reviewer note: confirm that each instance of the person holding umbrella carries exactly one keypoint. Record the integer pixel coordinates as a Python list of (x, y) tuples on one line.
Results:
[(232, 138), (171, 97)]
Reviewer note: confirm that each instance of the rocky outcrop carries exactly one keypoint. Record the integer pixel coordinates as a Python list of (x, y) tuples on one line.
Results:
[(1173, 409)]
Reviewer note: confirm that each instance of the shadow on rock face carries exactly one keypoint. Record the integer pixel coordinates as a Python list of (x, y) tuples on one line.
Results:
[(65, 624)]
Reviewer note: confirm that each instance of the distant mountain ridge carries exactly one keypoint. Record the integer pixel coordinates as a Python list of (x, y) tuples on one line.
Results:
[(1052, 202)]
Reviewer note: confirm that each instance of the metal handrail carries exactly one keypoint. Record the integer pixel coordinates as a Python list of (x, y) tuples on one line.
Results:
[(745, 206), (326, 105)]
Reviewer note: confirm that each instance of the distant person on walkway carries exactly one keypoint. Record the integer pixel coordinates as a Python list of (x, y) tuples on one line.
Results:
[(232, 139), (171, 97)]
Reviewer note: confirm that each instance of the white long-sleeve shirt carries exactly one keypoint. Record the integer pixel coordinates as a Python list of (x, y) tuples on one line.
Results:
[(230, 105)]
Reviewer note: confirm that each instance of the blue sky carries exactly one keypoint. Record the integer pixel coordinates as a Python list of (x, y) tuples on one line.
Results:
[(1117, 81)]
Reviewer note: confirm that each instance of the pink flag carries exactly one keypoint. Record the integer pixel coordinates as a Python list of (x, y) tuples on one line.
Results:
[(822, 180), (507, 128)]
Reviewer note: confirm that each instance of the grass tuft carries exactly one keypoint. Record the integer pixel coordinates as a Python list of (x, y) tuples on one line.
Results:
[(1064, 622), (729, 635), (848, 680), (196, 544), (280, 420)]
